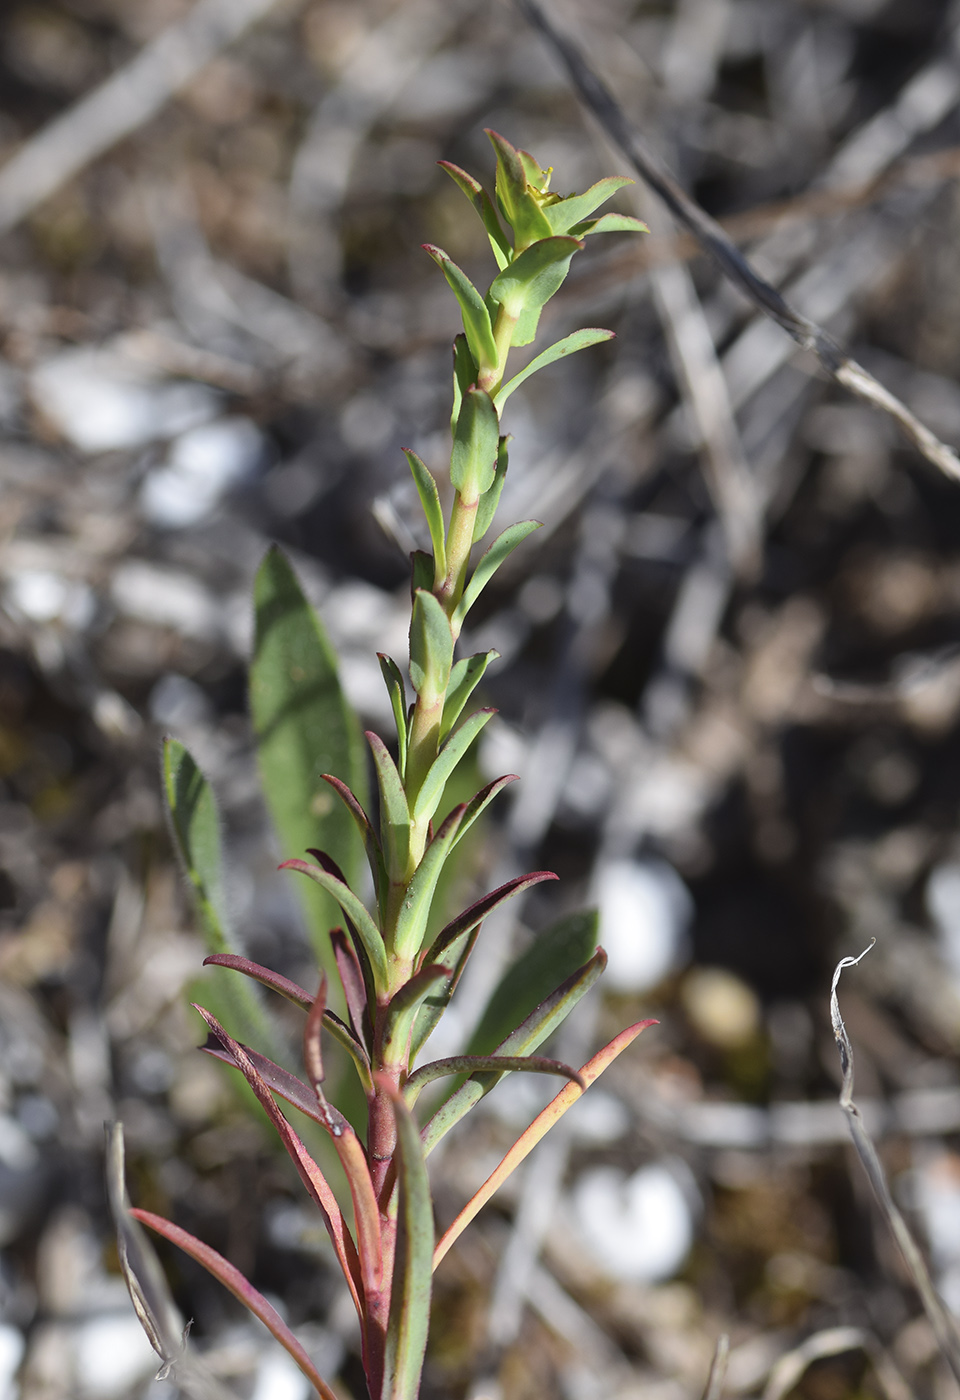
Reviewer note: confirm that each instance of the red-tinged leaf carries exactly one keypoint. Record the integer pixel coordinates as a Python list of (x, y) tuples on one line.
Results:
[(540, 1126), (477, 805), (470, 1064), (310, 1174), (352, 1158), (368, 836), (278, 1080), (454, 943), (354, 987), (476, 913), (354, 911), (409, 1317), (242, 1289), (298, 995), (312, 1046)]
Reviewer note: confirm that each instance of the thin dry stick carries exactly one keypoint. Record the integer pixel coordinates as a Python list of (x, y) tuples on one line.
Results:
[(121, 104), (718, 1368), (709, 234), (943, 1323)]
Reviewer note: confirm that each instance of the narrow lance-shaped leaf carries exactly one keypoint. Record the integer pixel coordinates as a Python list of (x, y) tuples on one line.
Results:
[(354, 910), (431, 644), (409, 1318), (446, 761), (310, 1174), (302, 998), (242, 1289), (479, 804), (453, 944), (555, 954), (476, 318), (487, 505), (421, 572), (489, 563), (411, 924), (352, 1156), (569, 345), (538, 1129), (195, 825), (354, 986), (394, 812), (304, 728), (525, 287), (476, 438), (393, 679), (465, 371), (470, 1064), (483, 204), (364, 828), (430, 500), (464, 679), (523, 1041)]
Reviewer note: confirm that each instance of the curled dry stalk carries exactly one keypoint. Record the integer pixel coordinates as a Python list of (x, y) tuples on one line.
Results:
[(942, 1321), (396, 972)]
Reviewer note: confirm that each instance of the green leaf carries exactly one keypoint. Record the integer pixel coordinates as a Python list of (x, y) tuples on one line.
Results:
[(476, 439), (409, 1318), (523, 1041), (365, 830), (483, 204), (422, 572), (487, 507), (195, 825), (566, 212), (354, 910), (464, 679), (490, 562), (430, 500), (304, 728), (394, 812), (609, 223), (525, 287), (476, 318), (402, 1011), (478, 804), (411, 924), (431, 644), (465, 373), (517, 203), (428, 798), (569, 345), (555, 953), (393, 679)]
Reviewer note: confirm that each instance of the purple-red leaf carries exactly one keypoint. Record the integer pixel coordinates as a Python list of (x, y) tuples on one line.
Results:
[(353, 983), (241, 1288), (298, 995), (310, 1174), (470, 1064)]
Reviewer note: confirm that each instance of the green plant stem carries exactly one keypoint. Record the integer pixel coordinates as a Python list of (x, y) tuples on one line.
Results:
[(504, 326)]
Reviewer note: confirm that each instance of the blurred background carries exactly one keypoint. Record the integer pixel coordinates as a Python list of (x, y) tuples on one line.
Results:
[(730, 673)]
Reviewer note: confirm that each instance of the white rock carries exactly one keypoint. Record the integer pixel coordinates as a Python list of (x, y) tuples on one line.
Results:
[(40, 595), (112, 1353), (638, 1227), (943, 904), (101, 400), (11, 1354), (645, 912), (202, 465), (280, 1378)]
